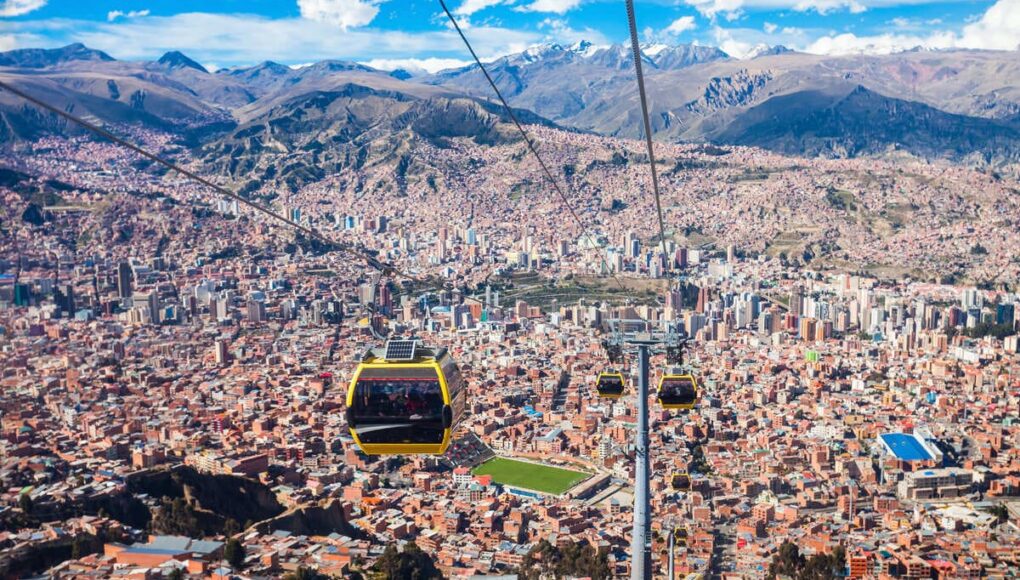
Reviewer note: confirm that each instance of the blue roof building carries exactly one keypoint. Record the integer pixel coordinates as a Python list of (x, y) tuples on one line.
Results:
[(907, 447)]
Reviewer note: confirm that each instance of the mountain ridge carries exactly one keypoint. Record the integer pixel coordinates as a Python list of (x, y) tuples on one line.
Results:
[(940, 100)]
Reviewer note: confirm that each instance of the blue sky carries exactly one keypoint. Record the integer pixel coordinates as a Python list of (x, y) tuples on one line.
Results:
[(413, 33)]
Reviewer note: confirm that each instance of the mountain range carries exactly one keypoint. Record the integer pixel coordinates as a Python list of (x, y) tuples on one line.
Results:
[(959, 105)]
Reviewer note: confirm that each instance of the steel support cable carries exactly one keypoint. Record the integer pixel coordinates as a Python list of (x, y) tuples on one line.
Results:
[(370, 260), (527, 138), (632, 23)]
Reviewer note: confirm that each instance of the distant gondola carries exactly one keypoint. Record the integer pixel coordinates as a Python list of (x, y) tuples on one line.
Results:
[(405, 399), (680, 536), (678, 391), (610, 385), (680, 481)]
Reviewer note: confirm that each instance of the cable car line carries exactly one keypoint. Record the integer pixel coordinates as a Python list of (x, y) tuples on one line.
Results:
[(527, 139), (370, 260), (632, 23)]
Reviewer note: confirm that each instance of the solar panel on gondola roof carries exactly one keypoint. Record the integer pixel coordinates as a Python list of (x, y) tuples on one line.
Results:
[(400, 349)]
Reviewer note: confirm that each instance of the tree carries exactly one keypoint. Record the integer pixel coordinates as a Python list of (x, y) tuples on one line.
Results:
[(25, 503), (1000, 512), (303, 573), (176, 574), (576, 559), (177, 517), (234, 553), (77, 548), (787, 561), (983, 329), (231, 527), (790, 562), (412, 563)]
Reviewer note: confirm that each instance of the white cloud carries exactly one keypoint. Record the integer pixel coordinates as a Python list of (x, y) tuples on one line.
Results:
[(115, 14), (997, 29), (746, 42), (849, 43), (732, 9), (8, 42), (710, 8), (19, 7), (730, 44), (234, 40), (343, 13), (681, 25), (416, 66), (560, 31), (827, 6), (469, 7), (554, 6)]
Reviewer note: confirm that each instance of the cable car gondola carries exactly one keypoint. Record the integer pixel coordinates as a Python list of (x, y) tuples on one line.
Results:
[(680, 536), (680, 481), (610, 385), (678, 391), (405, 399)]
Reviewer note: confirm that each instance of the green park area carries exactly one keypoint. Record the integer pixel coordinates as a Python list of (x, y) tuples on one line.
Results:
[(533, 476)]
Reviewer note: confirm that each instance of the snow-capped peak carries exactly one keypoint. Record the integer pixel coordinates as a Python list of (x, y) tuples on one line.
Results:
[(653, 49), (765, 50), (540, 51), (580, 46), (585, 48)]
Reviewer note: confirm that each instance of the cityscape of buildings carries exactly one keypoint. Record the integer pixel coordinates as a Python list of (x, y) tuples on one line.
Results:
[(149, 328)]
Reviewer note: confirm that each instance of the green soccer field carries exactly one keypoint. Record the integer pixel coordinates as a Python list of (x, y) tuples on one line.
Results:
[(530, 475)]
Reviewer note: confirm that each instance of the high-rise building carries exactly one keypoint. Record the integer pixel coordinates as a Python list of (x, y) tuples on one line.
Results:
[(22, 294), (704, 297), (970, 298), (256, 311), (152, 301), (616, 261), (563, 248), (221, 353), (384, 298), (1004, 314), (797, 301), (65, 298), (221, 311), (807, 328), (124, 280)]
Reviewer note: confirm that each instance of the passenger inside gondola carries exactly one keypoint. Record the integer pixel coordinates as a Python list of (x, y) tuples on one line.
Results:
[(610, 385), (678, 390), (401, 410), (681, 482)]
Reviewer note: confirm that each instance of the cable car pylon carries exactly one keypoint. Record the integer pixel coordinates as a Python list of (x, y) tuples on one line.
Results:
[(642, 338)]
